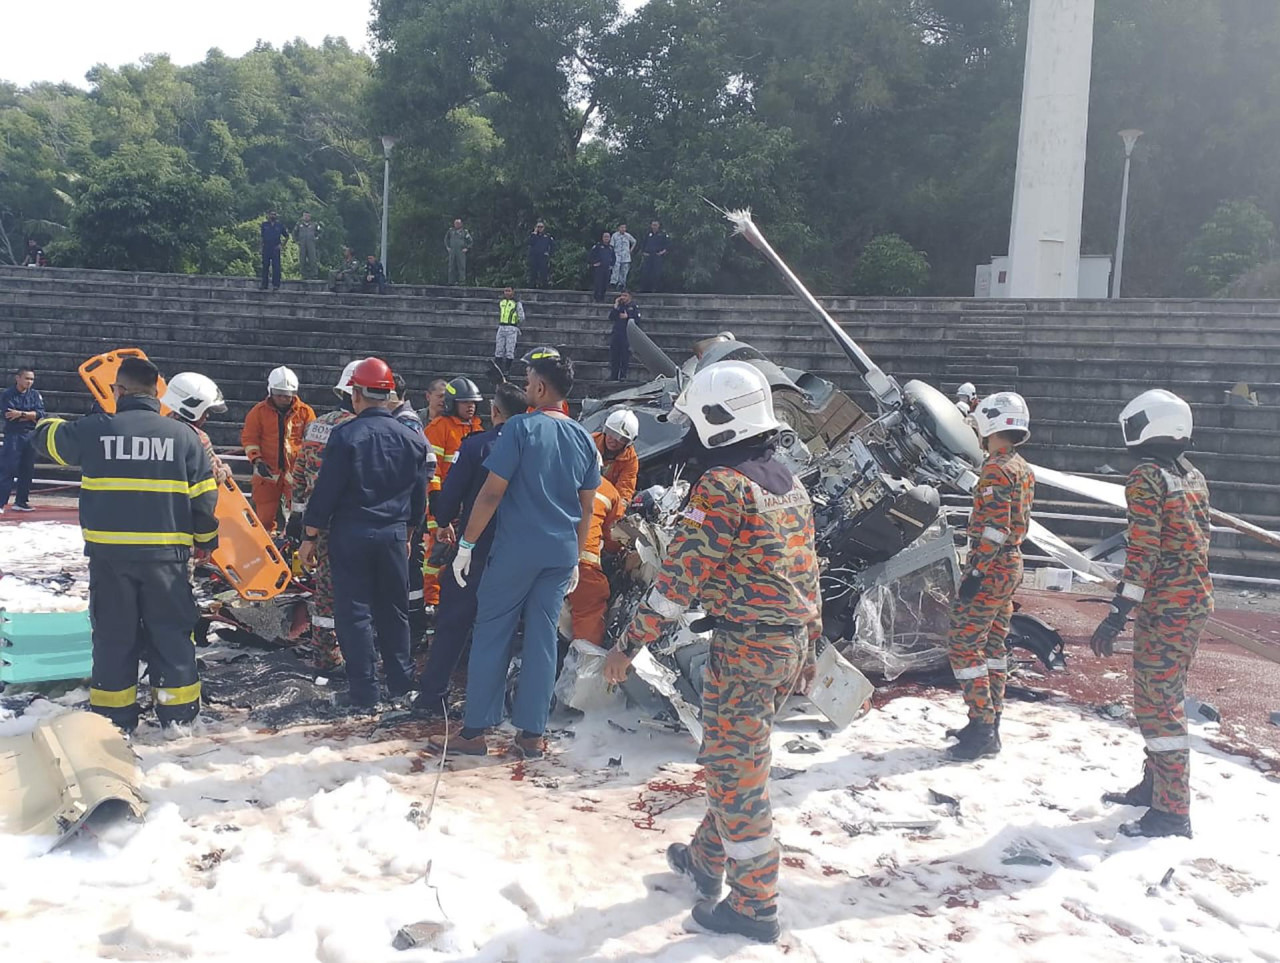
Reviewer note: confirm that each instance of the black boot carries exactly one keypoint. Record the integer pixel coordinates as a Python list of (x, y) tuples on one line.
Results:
[(723, 918), (999, 744), (1139, 795), (980, 742), (680, 859), (1156, 822), (962, 733)]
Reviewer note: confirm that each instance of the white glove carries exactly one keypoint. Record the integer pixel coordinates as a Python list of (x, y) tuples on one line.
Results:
[(573, 581), (462, 565)]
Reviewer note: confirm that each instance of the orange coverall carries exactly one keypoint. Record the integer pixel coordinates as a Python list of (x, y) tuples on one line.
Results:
[(444, 435), (621, 469), (274, 436), (589, 602)]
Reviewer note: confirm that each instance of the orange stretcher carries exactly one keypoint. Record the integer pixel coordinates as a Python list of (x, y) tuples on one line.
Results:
[(99, 374), (246, 555)]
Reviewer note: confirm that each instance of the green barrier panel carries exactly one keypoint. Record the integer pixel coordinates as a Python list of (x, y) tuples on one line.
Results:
[(44, 646)]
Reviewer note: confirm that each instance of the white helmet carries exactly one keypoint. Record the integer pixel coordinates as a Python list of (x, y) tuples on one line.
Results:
[(622, 425), (967, 390), (728, 402), (192, 395), (343, 387), (283, 380), (1155, 415), (1003, 411)]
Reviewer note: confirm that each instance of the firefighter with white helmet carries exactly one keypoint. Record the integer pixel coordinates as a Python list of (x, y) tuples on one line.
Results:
[(191, 397), (325, 653), (1166, 578), (616, 444), (743, 553), (272, 438), (966, 397), (998, 523)]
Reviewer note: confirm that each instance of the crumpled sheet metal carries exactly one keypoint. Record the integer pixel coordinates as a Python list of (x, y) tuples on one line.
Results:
[(56, 777), (903, 616)]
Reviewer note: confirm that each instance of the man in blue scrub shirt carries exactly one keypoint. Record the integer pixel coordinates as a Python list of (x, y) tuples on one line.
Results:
[(543, 471)]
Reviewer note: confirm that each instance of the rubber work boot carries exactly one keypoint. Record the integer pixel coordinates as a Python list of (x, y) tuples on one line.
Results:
[(1156, 823), (680, 859), (531, 745), (962, 733), (723, 918), (459, 745), (1139, 795), (980, 742)]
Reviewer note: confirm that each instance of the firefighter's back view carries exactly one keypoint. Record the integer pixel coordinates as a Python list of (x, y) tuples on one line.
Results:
[(147, 500)]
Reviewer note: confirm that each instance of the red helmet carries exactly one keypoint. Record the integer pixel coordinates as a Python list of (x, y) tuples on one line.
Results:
[(374, 374)]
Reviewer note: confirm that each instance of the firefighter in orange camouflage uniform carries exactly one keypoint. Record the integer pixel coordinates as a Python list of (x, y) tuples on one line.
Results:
[(1166, 577), (324, 639), (744, 553), (984, 604)]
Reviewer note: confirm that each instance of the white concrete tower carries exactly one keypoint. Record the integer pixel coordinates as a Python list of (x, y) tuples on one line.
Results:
[(1048, 195)]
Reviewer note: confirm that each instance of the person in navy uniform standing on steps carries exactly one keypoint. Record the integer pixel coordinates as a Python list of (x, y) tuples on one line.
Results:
[(274, 234), (20, 408), (371, 490)]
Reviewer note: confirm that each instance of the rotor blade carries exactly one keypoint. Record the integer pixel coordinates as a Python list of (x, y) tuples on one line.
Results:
[(1109, 493), (1245, 528), (882, 386), (1086, 568)]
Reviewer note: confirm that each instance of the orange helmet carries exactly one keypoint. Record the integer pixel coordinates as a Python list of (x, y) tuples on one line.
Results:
[(373, 374)]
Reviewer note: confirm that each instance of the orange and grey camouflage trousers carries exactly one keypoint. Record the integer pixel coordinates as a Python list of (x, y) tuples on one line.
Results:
[(1164, 643), (324, 638), (749, 675), (979, 627)]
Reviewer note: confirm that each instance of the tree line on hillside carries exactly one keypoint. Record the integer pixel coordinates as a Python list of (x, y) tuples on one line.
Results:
[(874, 139)]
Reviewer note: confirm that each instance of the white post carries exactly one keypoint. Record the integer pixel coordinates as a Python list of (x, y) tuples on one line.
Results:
[(1048, 197), (1130, 138), (388, 142)]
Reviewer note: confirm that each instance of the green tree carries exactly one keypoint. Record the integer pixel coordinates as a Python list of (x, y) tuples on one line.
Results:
[(891, 267), (1235, 240)]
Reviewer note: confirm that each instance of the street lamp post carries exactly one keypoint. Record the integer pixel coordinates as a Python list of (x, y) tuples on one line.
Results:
[(1130, 138), (388, 142)]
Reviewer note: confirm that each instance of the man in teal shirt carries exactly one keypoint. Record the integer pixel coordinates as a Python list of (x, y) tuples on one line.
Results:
[(543, 474)]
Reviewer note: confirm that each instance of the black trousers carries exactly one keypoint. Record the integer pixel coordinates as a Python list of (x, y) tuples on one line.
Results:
[(142, 610), (271, 268), (619, 356), (371, 607), (600, 280), (417, 604), (17, 465), (539, 272), (455, 617), (651, 272)]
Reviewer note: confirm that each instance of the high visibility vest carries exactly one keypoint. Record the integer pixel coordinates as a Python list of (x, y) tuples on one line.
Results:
[(509, 312)]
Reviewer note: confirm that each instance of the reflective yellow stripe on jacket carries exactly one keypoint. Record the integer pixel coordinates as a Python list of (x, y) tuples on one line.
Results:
[(55, 424), (138, 538), (150, 485)]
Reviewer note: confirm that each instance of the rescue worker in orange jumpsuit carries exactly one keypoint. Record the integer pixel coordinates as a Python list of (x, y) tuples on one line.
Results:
[(445, 435), (272, 438), (589, 602), (616, 444)]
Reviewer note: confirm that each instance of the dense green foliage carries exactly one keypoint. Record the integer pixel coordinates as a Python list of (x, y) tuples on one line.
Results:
[(837, 121)]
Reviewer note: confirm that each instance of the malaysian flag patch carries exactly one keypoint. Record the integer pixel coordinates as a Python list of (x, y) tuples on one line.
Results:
[(695, 515)]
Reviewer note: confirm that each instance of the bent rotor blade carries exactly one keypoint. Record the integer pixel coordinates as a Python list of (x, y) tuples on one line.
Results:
[(1086, 568), (882, 386), (1111, 493)]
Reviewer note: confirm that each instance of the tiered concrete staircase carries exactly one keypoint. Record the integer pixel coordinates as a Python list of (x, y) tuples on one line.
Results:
[(1077, 362)]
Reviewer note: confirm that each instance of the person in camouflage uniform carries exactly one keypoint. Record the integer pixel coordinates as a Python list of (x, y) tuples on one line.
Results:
[(349, 278), (1166, 577), (980, 617), (744, 553), (324, 638)]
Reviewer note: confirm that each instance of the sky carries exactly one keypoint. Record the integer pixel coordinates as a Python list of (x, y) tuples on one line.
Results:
[(60, 41)]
